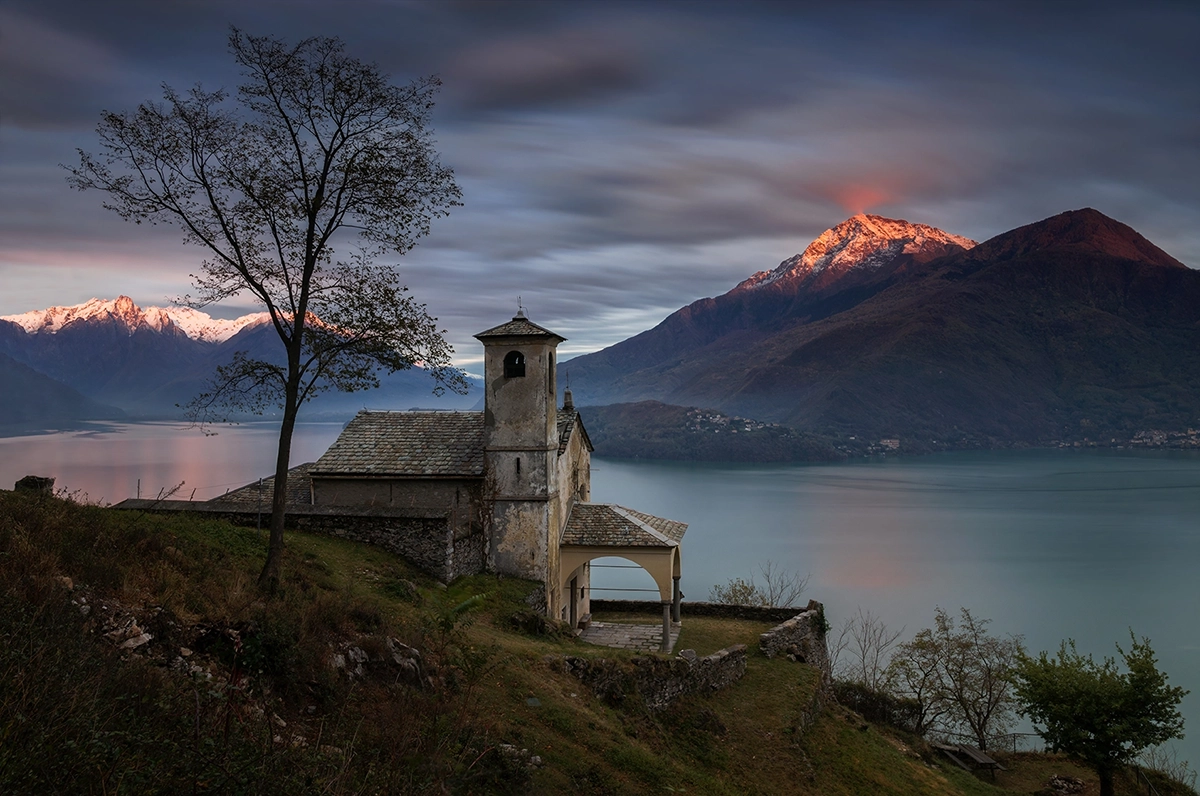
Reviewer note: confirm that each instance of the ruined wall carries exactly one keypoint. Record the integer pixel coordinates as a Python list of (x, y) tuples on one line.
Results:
[(659, 681), (801, 638)]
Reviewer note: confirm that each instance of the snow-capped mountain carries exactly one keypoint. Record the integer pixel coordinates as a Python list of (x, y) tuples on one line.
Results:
[(863, 243), (125, 313), (150, 361)]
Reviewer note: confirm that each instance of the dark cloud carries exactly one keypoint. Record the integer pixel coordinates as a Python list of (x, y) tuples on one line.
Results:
[(572, 67), (619, 160)]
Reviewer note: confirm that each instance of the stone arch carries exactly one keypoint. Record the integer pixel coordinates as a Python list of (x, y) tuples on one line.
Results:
[(663, 564)]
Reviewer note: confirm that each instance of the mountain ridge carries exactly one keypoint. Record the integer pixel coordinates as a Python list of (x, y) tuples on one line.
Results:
[(1071, 326), (122, 310), (145, 362)]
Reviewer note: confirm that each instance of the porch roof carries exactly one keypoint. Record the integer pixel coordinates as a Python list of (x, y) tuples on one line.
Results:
[(610, 525)]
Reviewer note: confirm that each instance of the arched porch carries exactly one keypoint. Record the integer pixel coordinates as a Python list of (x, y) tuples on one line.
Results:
[(605, 530)]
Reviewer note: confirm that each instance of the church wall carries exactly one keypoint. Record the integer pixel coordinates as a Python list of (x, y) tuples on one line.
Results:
[(459, 498), (518, 538), (574, 475)]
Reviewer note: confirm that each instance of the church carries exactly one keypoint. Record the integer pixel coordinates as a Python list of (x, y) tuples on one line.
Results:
[(506, 490)]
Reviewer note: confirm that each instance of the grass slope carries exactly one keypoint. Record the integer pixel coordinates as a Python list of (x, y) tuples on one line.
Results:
[(363, 676)]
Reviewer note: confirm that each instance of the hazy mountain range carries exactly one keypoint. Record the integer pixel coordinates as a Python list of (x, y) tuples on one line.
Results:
[(1072, 327), (143, 362)]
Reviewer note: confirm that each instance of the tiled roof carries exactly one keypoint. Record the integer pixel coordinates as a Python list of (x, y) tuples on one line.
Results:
[(610, 525), (568, 421), (519, 326), (407, 444), (299, 491)]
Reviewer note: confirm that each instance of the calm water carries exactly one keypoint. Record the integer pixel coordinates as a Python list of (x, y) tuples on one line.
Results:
[(1046, 544)]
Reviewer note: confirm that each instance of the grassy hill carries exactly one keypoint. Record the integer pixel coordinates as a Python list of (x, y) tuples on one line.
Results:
[(138, 657)]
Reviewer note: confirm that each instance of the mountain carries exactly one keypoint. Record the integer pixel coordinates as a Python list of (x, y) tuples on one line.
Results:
[(33, 400), (147, 361), (1075, 326), (844, 266), (123, 313), (858, 250)]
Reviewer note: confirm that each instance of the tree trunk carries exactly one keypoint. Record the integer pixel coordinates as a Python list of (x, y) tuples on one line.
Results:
[(268, 580), (1106, 781)]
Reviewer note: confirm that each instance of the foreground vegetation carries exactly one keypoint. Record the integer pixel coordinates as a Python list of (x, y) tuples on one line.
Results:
[(359, 675)]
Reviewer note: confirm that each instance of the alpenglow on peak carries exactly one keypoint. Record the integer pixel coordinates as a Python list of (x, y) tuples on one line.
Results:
[(193, 323), (860, 242)]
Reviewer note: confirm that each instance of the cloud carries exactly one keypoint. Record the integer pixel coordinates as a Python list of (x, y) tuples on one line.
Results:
[(48, 77), (530, 71), (620, 160)]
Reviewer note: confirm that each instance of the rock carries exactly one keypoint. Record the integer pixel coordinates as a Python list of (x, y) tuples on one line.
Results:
[(1060, 784), (136, 641), (36, 484), (67, 583)]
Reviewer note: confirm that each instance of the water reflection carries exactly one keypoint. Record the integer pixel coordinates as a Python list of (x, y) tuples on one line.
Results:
[(106, 462)]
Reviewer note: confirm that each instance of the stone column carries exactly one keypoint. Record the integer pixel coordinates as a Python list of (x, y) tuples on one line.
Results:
[(666, 640), (678, 595)]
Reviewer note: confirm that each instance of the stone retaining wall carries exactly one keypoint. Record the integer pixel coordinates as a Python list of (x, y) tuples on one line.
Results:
[(659, 681), (753, 613), (423, 538), (801, 638)]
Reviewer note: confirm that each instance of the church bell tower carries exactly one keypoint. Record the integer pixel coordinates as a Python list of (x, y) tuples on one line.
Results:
[(521, 450)]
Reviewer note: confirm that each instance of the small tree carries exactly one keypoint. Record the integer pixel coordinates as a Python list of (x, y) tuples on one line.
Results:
[(1096, 713), (780, 588), (318, 147), (961, 675), (861, 653)]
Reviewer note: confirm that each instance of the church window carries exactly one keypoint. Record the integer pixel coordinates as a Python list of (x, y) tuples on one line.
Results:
[(514, 364)]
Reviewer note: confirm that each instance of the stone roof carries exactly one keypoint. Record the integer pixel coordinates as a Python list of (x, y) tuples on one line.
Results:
[(299, 491), (568, 421), (519, 326), (412, 444), (610, 525)]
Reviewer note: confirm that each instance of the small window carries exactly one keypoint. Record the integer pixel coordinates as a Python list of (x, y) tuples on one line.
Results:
[(514, 364)]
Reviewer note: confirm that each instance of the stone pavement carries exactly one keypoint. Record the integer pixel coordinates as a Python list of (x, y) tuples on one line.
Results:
[(644, 638)]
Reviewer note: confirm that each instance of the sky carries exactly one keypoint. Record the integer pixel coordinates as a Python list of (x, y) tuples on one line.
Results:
[(619, 160)]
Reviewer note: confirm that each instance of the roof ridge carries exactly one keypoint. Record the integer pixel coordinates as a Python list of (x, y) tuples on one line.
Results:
[(628, 514)]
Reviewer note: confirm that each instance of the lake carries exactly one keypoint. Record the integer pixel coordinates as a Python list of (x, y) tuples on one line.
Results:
[(1047, 544)]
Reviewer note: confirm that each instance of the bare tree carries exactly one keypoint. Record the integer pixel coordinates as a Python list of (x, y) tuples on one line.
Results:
[(862, 651), (914, 672), (317, 149), (961, 675), (780, 588)]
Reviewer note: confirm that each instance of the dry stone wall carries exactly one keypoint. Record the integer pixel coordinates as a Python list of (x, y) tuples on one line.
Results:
[(659, 681), (801, 638), (424, 538)]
